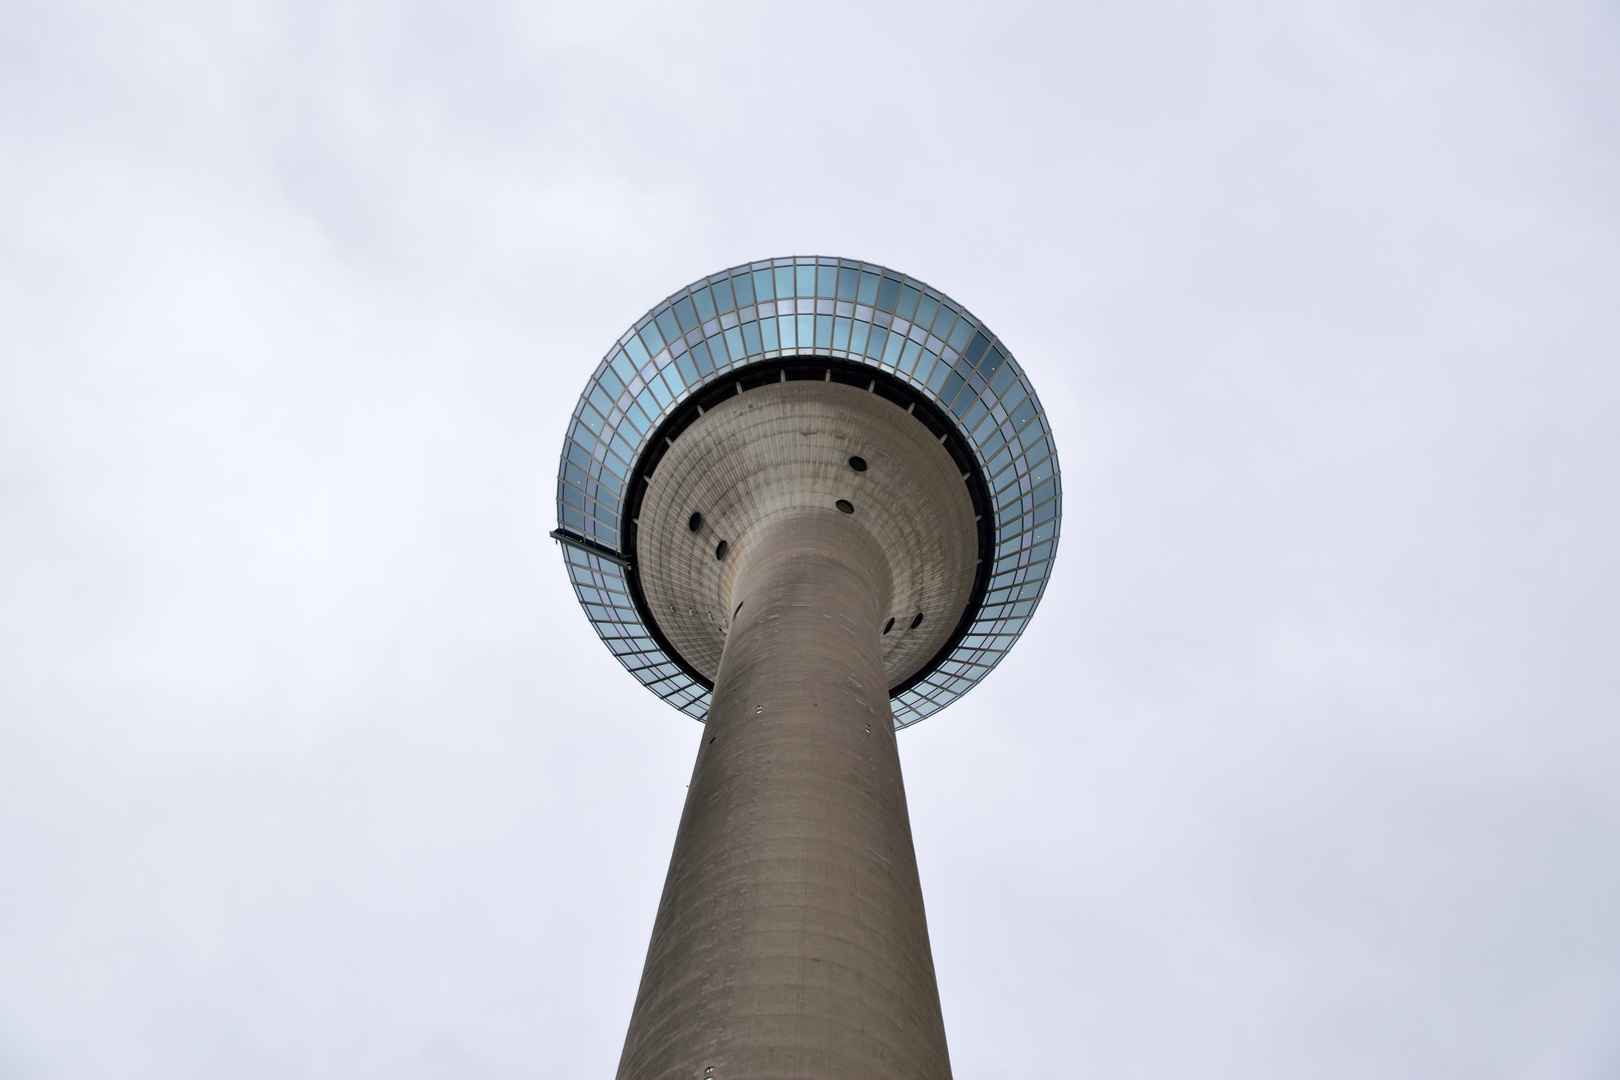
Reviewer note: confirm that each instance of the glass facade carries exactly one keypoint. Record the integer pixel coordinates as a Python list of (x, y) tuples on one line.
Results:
[(837, 308)]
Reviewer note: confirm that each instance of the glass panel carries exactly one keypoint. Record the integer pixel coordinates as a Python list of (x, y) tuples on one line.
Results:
[(874, 346), (926, 308), (784, 282), (857, 337), (684, 312), (959, 335), (661, 330), (751, 342), (734, 344), (807, 281), (888, 294), (1024, 414), (867, 292), (908, 301), (705, 364), (768, 329), (648, 402), (1004, 378), (743, 285), (840, 335), (704, 304), (847, 277), (723, 300), (763, 287), (623, 367), (823, 329), (826, 280), (908, 359)]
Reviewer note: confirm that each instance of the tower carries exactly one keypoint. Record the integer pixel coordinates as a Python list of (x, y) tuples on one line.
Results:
[(808, 501)]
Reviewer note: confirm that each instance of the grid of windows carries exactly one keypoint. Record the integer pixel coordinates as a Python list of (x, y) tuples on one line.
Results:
[(812, 307)]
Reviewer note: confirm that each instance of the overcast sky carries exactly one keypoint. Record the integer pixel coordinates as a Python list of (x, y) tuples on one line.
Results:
[(1308, 766)]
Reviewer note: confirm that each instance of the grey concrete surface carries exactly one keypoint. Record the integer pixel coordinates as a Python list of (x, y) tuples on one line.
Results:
[(784, 447), (791, 939)]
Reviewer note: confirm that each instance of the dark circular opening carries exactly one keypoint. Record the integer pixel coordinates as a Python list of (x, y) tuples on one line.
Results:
[(888, 626), (694, 522), (720, 549), (858, 464), (917, 621), (845, 506)]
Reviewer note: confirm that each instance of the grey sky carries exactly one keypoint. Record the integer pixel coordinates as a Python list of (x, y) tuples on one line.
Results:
[(1309, 765)]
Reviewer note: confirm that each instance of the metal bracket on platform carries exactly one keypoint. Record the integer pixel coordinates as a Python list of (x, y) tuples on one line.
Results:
[(601, 551)]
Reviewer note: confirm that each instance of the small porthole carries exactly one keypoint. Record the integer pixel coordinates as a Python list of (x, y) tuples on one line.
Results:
[(888, 626), (858, 464), (917, 621), (845, 506), (720, 549), (694, 522)]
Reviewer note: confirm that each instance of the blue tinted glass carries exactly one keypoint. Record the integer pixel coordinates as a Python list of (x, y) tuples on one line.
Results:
[(784, 282), (867, 293), (751, 341), (723, 300), (611, 383), (1004, 378), (826, 280), (704, 304), (652, 339), (908, 301), (763, 288), (734, 345), (926, 308), (959, 335), (971, 419), (823, 329), (1023, 414), (846, 283), (807, 281), (767, 329), (888, 294), (857, 339), (874, 346), (743, 285), (688, 317), (638, 352), (666, 324), (908, 358), (687, 363)]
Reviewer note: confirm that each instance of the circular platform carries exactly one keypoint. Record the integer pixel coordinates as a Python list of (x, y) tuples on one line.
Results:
[(797, 382)]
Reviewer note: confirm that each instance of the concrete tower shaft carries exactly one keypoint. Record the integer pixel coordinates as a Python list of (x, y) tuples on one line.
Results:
[(791, 939), (786, 447)]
